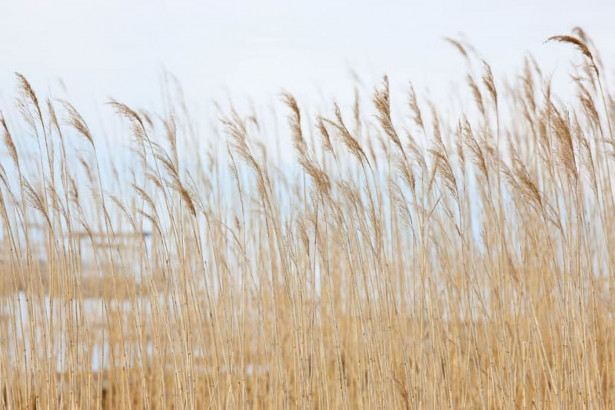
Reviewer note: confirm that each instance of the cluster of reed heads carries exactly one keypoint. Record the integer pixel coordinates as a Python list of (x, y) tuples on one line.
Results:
[(408, 257)]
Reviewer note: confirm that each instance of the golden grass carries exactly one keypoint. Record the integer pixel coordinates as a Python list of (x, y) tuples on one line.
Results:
[(420, 260)]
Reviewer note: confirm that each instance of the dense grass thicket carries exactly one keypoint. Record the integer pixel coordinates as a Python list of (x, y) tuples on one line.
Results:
[(399, 256)]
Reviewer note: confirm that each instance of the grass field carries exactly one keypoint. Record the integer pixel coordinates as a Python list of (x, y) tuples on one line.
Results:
[(402, 256)]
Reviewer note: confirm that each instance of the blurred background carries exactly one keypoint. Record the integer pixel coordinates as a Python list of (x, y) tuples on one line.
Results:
[(91, 51)]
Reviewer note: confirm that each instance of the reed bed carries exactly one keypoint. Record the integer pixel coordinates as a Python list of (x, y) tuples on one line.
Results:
[(401, 256)]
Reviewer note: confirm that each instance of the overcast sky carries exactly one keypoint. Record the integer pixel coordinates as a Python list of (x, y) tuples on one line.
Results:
[(257, 48)]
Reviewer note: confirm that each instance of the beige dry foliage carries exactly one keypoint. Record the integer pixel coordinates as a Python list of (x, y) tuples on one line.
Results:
[(416, 259)]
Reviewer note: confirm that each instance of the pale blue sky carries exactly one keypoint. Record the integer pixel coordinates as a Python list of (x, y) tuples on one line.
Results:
[(256, 48)]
